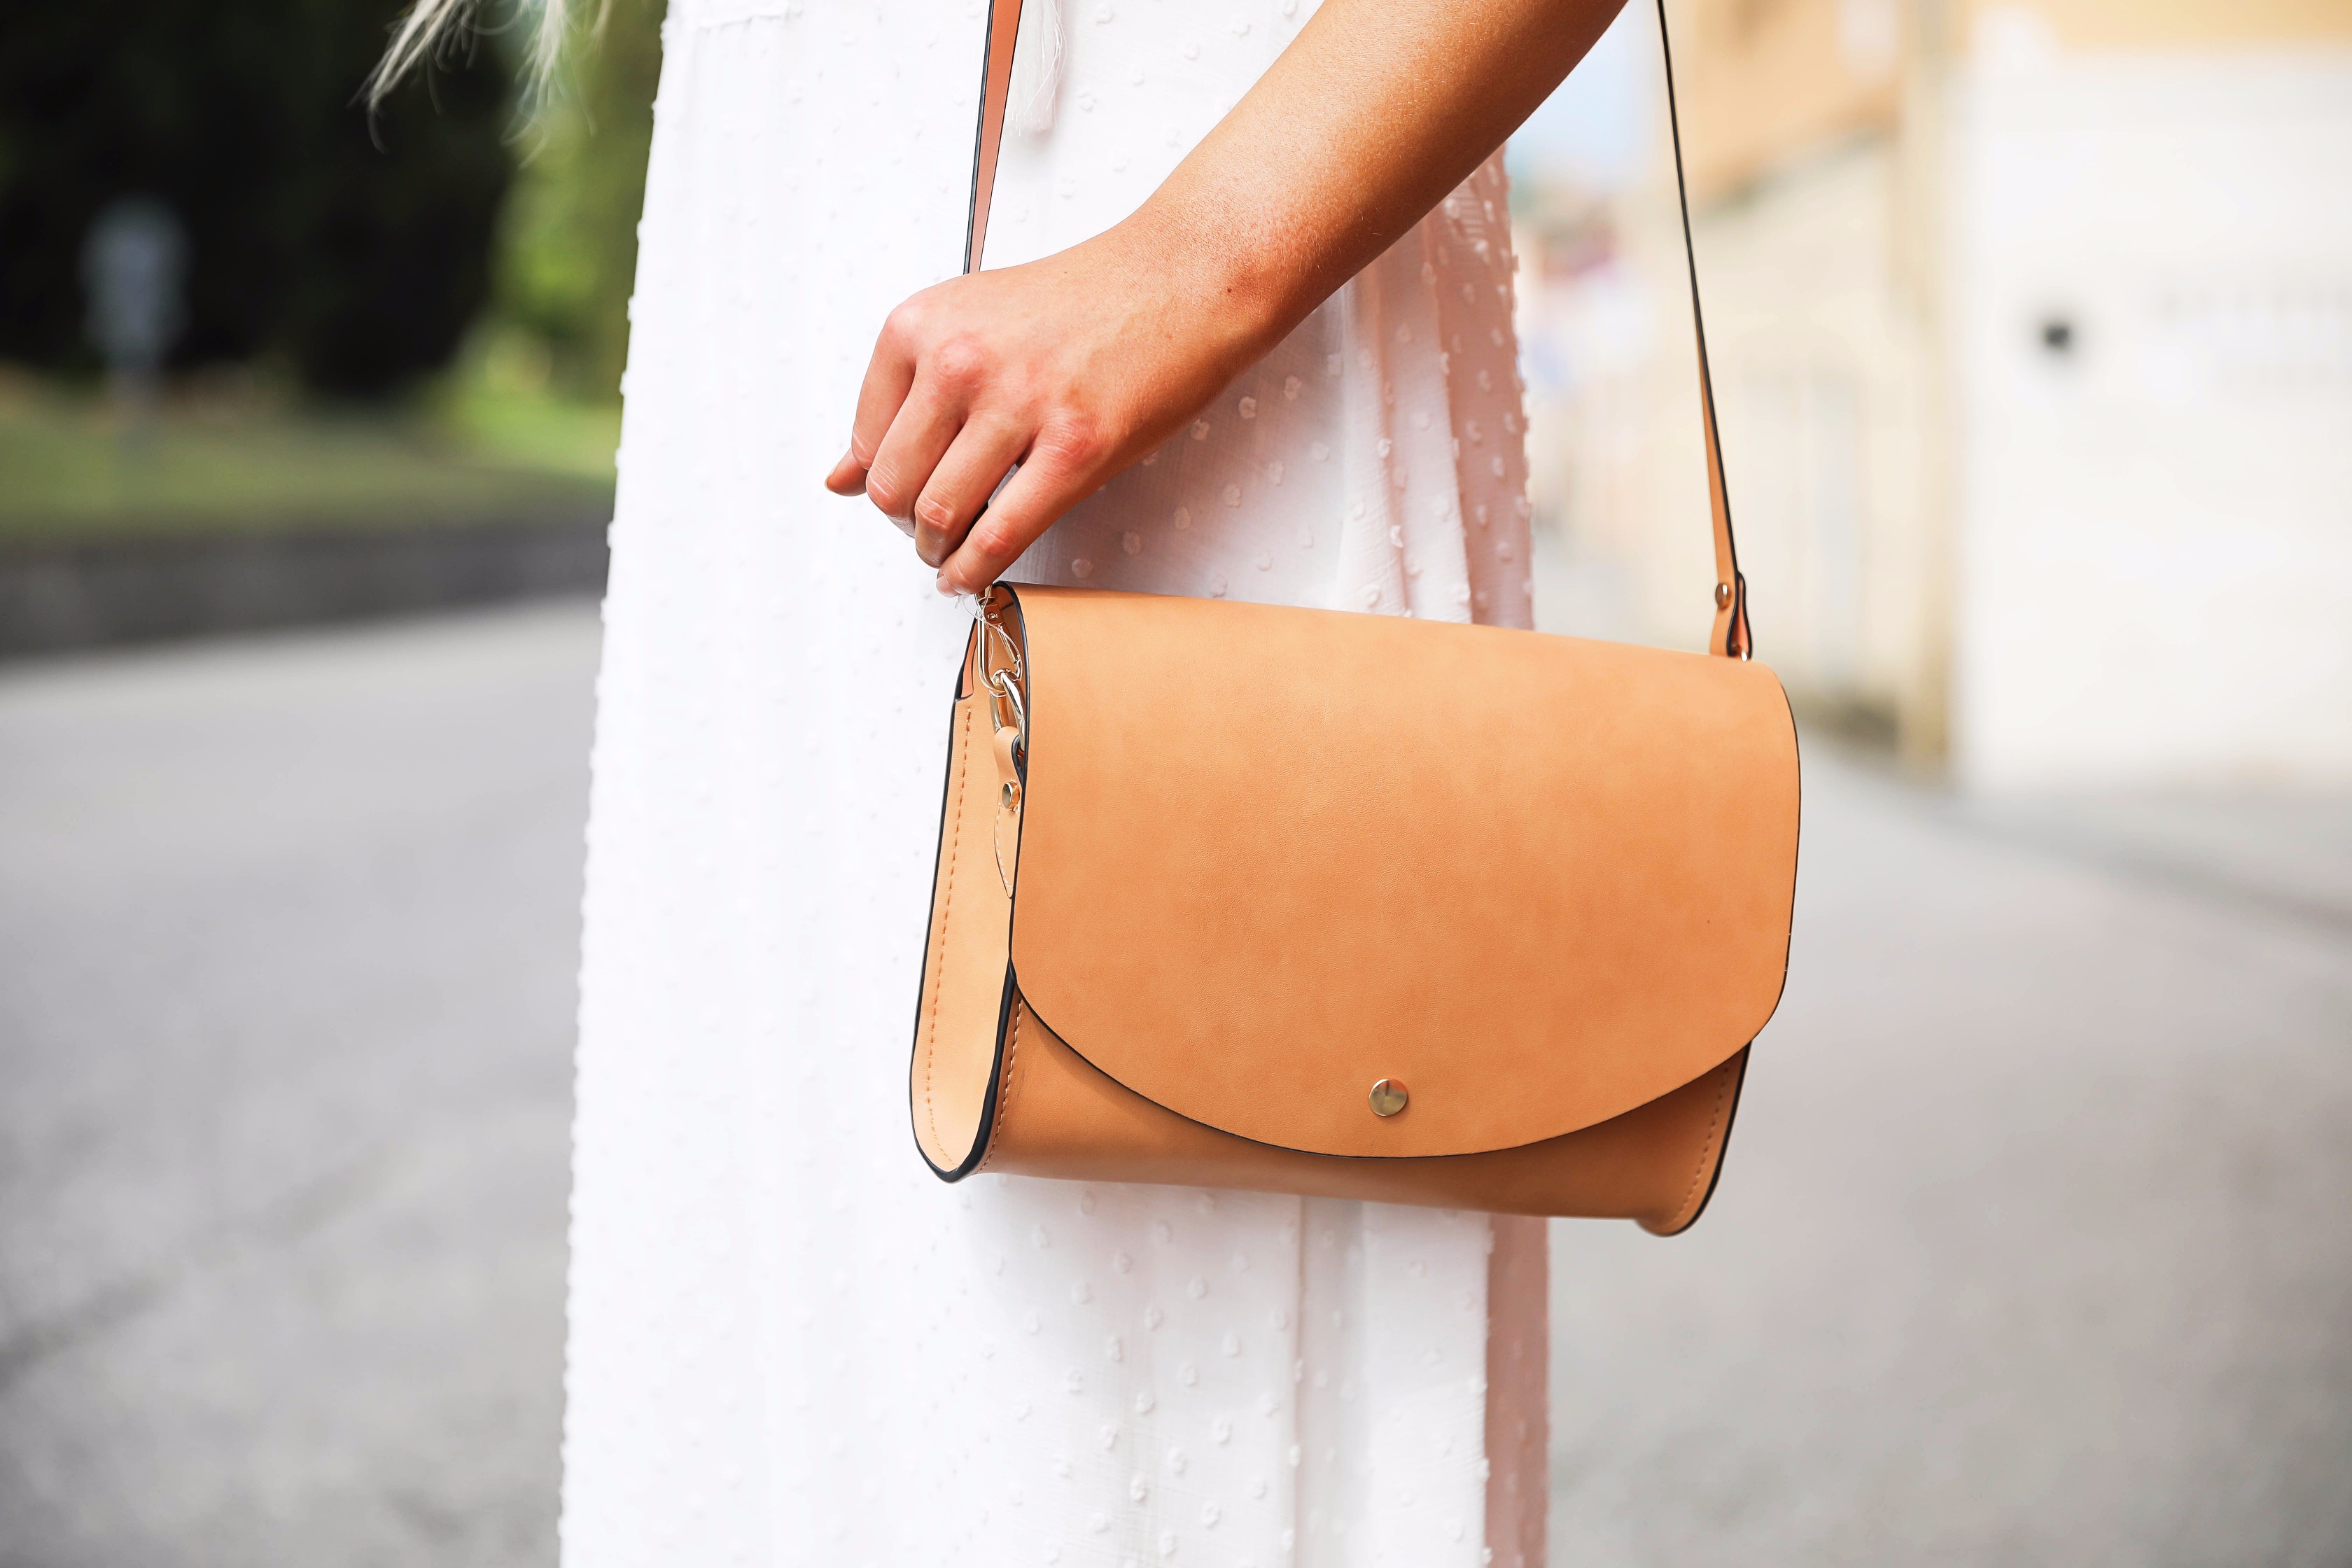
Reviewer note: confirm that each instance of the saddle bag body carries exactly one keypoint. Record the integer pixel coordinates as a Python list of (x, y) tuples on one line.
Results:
[(1310, 901)]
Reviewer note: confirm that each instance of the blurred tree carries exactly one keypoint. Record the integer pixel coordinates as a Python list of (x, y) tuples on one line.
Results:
[(568, 255), (360, 259)]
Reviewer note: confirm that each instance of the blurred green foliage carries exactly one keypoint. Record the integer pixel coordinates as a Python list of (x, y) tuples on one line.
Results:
[(466, 269), (356, 252), (568, 241), (74, 472)]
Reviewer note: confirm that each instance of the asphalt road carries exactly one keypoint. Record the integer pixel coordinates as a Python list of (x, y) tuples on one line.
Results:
[(287, 935), (2033, 1246)]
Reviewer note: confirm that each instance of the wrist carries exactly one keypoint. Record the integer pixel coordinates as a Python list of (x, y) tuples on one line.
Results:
[(1231, 294)]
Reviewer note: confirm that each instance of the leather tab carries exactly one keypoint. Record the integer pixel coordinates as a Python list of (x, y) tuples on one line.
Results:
[(1007, 826)]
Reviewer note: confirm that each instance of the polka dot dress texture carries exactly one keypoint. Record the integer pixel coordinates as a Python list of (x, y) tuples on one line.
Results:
[(1373, 461), (790, 1344)]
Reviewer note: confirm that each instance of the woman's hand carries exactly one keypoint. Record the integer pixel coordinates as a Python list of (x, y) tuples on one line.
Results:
[(1072, 367), (1076, 365)]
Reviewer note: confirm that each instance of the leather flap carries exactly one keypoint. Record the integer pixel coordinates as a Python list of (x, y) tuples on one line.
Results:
[(1270, 856)]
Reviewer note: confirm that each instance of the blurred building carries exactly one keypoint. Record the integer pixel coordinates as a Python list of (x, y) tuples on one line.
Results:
[(2032, 332)]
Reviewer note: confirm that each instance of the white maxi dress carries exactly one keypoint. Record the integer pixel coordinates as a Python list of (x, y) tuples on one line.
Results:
[(790, 1344)]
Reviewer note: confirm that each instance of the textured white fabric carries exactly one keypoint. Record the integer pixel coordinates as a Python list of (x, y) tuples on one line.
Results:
[(790, 1344)]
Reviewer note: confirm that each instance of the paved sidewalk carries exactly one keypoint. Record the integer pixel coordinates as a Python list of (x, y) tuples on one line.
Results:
[(287, 935), (2033, 1247), (2035, 1241)]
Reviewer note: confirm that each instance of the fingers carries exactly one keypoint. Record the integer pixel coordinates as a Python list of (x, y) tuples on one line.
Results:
[(918, 437), (959, 486), (889, 375), (849, 476), (1060, 471), (953, 397)]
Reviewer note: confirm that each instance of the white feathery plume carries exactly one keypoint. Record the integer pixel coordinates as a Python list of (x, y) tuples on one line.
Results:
[(1038, 66)]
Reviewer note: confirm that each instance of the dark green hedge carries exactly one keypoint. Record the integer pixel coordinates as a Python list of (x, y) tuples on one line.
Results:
[(355, 253)]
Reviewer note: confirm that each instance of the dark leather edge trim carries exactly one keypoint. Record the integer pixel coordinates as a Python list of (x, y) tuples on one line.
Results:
[(1369, 1159), (972, 236), (1796, 859), (986, 1131), (923, 977), (1722, 1148)]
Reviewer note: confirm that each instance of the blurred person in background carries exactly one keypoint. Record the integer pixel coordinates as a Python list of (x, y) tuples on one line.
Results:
[(352, 251), (131, 264), (1246, 332)]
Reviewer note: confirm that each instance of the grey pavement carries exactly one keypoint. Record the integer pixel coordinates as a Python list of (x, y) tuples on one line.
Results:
[(288, 936), (2035, 1241), (2033, 1247)]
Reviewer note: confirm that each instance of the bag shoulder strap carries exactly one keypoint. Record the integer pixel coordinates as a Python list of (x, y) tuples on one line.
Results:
[(1730, 636)]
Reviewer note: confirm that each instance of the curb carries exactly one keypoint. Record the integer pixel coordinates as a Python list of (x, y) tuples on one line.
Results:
[(55, 598)]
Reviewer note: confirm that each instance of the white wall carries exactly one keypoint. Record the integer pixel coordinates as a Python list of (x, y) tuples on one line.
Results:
[(2154, 526), (1821, 376)]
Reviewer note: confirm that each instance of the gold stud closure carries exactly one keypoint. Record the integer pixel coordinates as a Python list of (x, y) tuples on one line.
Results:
[(1008, 795), (1389, 1097), (1723, 596)]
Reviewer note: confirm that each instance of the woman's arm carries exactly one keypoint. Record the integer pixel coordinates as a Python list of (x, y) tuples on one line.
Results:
[(1075, 365)]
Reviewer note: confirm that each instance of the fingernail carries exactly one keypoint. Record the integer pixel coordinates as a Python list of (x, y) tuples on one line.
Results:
[(931, 545), (943, 585)]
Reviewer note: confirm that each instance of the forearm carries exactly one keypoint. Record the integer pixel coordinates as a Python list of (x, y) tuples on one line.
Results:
[(1066, 369), (1375, 111)]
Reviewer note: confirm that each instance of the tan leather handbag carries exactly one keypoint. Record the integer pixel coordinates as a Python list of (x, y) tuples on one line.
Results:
[(1308, 901)]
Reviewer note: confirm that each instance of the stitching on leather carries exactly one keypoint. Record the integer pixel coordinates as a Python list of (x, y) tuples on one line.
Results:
[(1004, 1094), (1707, 1149), (947, 904)]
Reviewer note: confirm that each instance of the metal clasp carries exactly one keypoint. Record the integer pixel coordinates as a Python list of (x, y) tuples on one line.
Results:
[(1004, 680), (1006, 684)]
